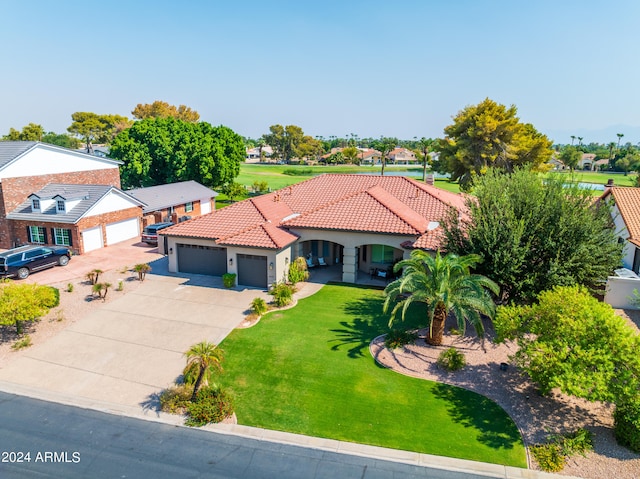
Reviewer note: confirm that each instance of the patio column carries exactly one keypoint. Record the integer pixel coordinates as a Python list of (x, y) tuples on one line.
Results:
[(349, 262)]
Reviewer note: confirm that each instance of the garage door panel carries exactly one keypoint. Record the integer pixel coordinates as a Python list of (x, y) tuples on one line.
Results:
[(200, 259), (92, 239), (252, 270), (122, 230)]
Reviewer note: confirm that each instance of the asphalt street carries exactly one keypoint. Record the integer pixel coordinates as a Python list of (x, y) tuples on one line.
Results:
[(40, 439)]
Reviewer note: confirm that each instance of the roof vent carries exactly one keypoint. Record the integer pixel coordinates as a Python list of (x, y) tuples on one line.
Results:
[(432, 225)]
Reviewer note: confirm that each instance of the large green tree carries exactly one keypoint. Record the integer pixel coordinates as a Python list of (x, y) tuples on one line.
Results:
[(156, 151), (446, 285), (489, 135), (285, 141), (570, 156), (162, 109), (571, 341), (91, 127), (534, 233), (30, 132)]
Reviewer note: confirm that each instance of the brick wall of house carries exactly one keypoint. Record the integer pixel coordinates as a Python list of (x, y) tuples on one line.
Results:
[(13, 191), (20, 233)]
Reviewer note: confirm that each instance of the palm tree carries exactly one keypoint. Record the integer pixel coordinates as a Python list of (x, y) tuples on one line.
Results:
[(203, 356), (580, 138), (619, 135), (611, 146), (445, 285), (573, 137)]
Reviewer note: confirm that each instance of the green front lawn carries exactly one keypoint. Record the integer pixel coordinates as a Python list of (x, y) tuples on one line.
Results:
[(308, 370)]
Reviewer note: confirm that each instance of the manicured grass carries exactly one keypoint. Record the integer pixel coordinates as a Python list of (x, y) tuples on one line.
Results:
[(308, 370), (602, 178)]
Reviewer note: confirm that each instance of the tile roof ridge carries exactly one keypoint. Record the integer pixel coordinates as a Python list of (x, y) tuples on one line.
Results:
[(268, 233), (435, 192), (406, 214), (223, 239)]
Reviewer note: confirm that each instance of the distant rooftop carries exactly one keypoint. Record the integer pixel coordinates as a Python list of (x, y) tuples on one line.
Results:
[(164, 196)]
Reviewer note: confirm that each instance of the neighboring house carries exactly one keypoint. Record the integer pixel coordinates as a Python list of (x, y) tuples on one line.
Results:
[(83, 217), (97, 150), (402, 156), (175, 202), (587, 162), (626, 214), (369, 156), (556, 164), (361, 222), (27, 167), (253, 154)]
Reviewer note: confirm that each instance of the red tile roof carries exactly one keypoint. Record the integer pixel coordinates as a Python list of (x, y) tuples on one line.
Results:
[(628, 202), (367, 203)]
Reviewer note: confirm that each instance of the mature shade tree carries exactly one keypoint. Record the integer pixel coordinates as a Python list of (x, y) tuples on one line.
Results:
[(570, 156), (30, 132), (446, 285), (156, 151), (161, 109), (91, 127), (534, 233), (489, 135), (310, 147), (64, 140), (285, 141), (351, 154), (201, 357)]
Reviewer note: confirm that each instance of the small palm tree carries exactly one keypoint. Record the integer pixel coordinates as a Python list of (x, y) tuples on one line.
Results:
[(445, 285), (203, 356), (142, 269)]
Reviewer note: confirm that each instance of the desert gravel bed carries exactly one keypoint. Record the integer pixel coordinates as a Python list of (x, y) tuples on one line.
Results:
[(535, 416)]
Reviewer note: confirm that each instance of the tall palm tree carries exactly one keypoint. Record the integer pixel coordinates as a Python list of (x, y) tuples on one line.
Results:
[(619, 135), (573, 138), (445, 285), (203, 356)]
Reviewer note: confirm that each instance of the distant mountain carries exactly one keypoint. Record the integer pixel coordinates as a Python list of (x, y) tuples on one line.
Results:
[(604, 135)]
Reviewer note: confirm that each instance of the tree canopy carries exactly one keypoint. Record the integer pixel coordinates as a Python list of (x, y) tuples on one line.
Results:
[(571, 341), (489, 135), (285, 141), (156, 151), (570, 156), (161, 109), (91, 127), (30, 132), (534, 234)]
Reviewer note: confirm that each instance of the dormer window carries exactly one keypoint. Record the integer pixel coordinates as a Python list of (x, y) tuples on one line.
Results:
[(35, 204), (60, 206)]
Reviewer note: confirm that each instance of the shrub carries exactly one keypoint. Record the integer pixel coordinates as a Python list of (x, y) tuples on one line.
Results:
[(120, 286), (48, 296), (229, 280), (101, 290), (175, 399), (451, 359), (298, 172), (298, 271), (212, 405), (397, 338), (25, 342), (70, 288), (282, 294), (93, 275), (142, 270), (260, 186), (627, 424), (259, 306), (548, 456), (552, 456)]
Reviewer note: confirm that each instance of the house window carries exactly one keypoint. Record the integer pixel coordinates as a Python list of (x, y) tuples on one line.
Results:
[(60, 206), (62, 236), (35, 204), (381, 253), (37, 234), (188, 207)]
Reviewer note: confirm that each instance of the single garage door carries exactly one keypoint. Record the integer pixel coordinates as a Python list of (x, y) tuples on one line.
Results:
[(92, 239), (193, 258), (122, 230), (252, 270)]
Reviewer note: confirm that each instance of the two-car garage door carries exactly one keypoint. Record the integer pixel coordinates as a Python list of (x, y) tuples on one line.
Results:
[(122, 230)]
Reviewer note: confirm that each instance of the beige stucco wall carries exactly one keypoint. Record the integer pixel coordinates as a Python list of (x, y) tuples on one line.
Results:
[(621, 230)]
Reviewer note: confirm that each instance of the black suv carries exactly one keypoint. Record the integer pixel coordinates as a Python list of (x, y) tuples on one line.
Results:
[(150, 233), (24, 260)]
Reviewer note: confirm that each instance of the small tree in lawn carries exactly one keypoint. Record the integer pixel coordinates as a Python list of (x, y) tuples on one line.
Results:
[(142, 270), (201, 357), (445, 285)]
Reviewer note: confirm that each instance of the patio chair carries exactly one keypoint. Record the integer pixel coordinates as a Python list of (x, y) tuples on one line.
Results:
[(321, 262), (310, 263)]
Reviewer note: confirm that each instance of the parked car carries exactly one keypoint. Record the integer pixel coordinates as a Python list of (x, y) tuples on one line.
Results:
[(150, 233), (24, 260)]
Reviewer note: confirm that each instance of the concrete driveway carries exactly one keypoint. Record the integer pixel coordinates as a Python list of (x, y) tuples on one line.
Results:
[(129, 349)]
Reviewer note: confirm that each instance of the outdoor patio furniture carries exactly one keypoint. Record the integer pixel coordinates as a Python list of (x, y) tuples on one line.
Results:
[(321, 262), (310, 263)]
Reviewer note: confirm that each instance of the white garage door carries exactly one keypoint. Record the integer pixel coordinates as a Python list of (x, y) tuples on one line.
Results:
[(122, 230), (92, 239)]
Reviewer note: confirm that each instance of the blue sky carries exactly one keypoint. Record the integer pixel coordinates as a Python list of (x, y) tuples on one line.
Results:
[(371, 68)]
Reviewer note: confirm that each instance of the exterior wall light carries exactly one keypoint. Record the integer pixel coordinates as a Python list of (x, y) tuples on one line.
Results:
[(230, 261), (270, 265)]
